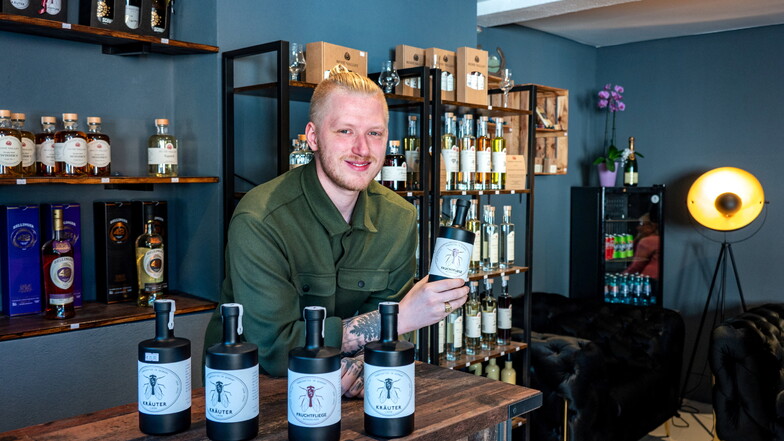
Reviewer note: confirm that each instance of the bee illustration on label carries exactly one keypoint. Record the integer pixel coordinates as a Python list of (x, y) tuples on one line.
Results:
[(153, 388), (454, 257), (310, 398), (388, 391), (220, 394)]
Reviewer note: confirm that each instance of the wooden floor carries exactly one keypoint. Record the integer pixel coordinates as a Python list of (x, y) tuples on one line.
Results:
[(695, 424)]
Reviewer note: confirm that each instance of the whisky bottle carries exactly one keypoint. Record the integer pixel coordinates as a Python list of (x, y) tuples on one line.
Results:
[(162, 151), (314, 384), (484, 153), (504, 313), (630, 172), (99, 150), (70, 148), (498, 177), (489, 311), (506, 241), (454, 334), (231, 382), (104, 11), (489, 240), (453, 248), (466, 177), (393, 172), (411, 146), (389, 380), (158, 16), (10, 147), (28, 144), (473, 321), (57, 263), (474, 225), (44, 147), (450, 152), (133, 13), (164, 376), (149, 260)]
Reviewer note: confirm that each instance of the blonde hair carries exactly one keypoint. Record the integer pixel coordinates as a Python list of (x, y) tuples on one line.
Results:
[(343, 80)]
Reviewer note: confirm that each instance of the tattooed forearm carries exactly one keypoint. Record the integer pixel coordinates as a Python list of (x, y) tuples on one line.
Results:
[(358, 331)]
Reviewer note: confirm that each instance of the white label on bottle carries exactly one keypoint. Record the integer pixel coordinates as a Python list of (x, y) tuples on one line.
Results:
[(132, 16), (441, 336), (20, 4), (393, 173), (451, 164), (412, 160), (99, 153), (61, 273), (314, 399), (473, 325), (499, 162), (447, 81), (10, 151), (483, 158), (45, 153), (28, 152), (53, 7), (510, 246), (457, 338), (75, 152), (505, 318), (389, 391), (451, 258), (166, 155), (488, 322), (153, 263), (231, 396), (476, 256), (164, 388), (493, 249), (475, 80), (468, 161)]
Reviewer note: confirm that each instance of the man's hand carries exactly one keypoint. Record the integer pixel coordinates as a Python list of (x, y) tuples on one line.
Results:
[(352, 382), (425, 303)]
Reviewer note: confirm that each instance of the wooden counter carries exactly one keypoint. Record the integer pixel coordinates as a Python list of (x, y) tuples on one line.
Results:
[(450, 405)]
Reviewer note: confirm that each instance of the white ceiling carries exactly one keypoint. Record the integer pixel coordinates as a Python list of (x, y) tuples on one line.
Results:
[(611, 22)]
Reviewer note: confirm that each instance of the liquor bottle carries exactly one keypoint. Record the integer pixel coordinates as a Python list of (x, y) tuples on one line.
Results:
[(466, 178), (484, 153), (453, 248), (70, 148), (630, 172), (133, 13), (28, 144), (489, 317), (158, 16), (450, 151), (393, 173), (162, 151), (231, 382), (57, 263), (492, 371), (164, 376), (441, 339), (508, 373), (314, 384), (498, 177), (104, 11), (149, 260), (506, 241), (301, 154), (474, 225), (473, 321), (454, 334), (444, 217), (411, 146), (99, 150), (44, 147), (10, 147), (504, 313), (489, 240), (389, 380)]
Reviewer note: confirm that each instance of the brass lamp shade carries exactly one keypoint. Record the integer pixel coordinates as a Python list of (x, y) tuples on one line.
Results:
[(725, 199)]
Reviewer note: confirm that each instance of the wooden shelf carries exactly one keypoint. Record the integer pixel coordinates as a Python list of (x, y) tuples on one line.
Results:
[(114, 42), (481, 275), (467, 360), (95, 315), (116, 180), (418, 193), (482, 110)]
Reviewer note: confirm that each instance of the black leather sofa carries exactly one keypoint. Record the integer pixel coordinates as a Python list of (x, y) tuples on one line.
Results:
[(617, 368), (746, 357)]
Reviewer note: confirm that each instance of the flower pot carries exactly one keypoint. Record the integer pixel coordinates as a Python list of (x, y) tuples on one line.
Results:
[(607, 178)]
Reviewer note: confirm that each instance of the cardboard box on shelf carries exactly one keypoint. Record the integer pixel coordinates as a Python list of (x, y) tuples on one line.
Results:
[(20, 259), (321, 56), (447, 62), (471, 81), (406, 57)]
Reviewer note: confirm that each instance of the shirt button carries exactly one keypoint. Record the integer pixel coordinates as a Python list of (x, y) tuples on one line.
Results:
[(305, 288), (361, 283)]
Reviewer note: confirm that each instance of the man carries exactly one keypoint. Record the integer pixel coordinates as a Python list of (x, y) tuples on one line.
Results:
[(326, 234)]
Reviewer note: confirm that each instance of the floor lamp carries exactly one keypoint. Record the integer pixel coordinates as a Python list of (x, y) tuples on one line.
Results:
[(723, 199)]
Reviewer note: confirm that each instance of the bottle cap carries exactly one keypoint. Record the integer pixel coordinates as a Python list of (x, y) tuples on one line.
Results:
[(5, 113), (394, 142), (93, 120), (166, 305), (302, 137), (70, 117), (484, 118), (239, 309), (468, 116), (19, 116), (499, 120), (317, 313), (412, 117), (161, 122), (48, 120), (448, 114)]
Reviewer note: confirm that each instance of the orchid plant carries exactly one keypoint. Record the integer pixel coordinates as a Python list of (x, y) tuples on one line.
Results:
[(610, 98)]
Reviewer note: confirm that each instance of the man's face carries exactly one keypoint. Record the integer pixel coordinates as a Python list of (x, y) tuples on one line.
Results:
[(350, 140)]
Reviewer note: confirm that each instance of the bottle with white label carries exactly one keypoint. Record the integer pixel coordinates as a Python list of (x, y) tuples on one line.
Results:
[(504, 314), (99, 150), (44, 147), (489, 325), (489, 240), (411, 147), (467, 177), (394, 171), (454, 334), (70, 148), (231, 382), (57, 259), (164, 377), (473, 321), (162, 151), (133, 13), (314, 389), (474, 225), (28, 144), (450, 152), (498, 176), (149, 260), (389, 380), (454, 245), (484, 154), (10, 147), (506, 242)]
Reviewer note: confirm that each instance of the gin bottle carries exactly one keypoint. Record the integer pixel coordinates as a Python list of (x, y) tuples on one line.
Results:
[(99, 150), (498, 176), (28, 144), (484, 150), (473, 321), (474, 225), (411, 146), (10, 147), (507, 240), (504, 313), (450, 151), (162, 151), (489, 240), (44, 147), (489, 311), (467, 178), (70, 148)]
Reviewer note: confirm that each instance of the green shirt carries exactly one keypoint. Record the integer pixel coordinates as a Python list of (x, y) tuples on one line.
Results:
[(289, 247)]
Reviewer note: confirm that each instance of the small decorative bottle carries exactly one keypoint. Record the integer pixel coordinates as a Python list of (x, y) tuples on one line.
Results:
[(490, 240), (411, 146), (484, 153), (99, 150), (28, 144), (70, 148), (504, 313), (453, 247), (44, 147), (57, 258), (467, 177), (498, 177), (393, 173), (10, 147), (162, 151), (454, 334), (489, 312), (492, 371), (507, 240), (474, 225), (314, 384), (389, 380), (164, 376), (231, 382), (473, 321), (508, 373), (450, 152), (149, 260)]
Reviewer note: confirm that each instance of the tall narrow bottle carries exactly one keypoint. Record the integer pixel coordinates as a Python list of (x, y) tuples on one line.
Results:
[(450, 151), (231, 382), (441, 339), (453, 248), (473, 321), (44, 147), (314, 384), (467, 176), (28, 144), (484, 154), (99, 150), (506, 242), (389, 380), (474, 225), (164, 377), (149, 260), (630, 172), (162, 151), (454, 334), (504, 313), (70, 148), (498, 177), (57, 259), (10, 147), (489, 312), (394, 172), (411, 146), (489, 240)]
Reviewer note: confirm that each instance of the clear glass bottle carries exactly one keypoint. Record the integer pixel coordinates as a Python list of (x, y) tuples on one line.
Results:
[(454, 334), (301, 154), (473, 321), (44, 147), (393, 173), (162, 151), (441, 339), (467, 177), (504, 313), (489, 317), (28, 144), (57, 259), (450, 151), (411, 147), (498, 176), (506, 242), (474, 225), (489, 240), (99, 150), (484, 154), (149, 260), (10, 147), (70, 148)]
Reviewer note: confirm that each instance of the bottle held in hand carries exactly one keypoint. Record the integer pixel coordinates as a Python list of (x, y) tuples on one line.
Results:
[(454, 247)]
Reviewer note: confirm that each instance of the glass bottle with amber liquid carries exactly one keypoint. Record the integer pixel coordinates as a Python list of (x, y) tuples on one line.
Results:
[(450, 151), (70, 148), (411, 147), (28, 144), (162, 151), (498, 176), (484, 155), (630, 172), (149, 260), (44, 147), (10, 147), (467, 177), (99, 150), (57, 258), (393, 173)]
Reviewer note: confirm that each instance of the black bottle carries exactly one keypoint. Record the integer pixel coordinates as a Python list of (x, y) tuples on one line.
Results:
[(164, 376), (231, 382), (454, 245), (314, 384), (389, 380)]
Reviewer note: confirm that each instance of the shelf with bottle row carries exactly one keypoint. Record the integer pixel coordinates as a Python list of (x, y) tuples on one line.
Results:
[(418, 193), (113, 42), (466, 360), (501, 272), (117, 180), (95, 315)]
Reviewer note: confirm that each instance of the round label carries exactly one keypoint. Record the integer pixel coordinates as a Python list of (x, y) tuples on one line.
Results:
[(45, 153), (118, 232), (10, 151), (389, 391), (24, 238), (164, 388), (451, 258), (99, 153), (53, 7), (231, 396), (153, 263), (75, 152), (20, 4), (61, 272), (314, 399)]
